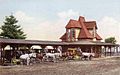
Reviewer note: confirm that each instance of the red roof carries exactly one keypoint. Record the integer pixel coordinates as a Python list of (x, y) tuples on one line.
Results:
[(63, 37), (98, 37), (84, 33), (73, 24), (90, 24)]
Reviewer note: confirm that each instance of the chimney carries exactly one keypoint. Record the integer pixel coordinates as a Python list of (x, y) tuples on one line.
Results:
[(82, 19)]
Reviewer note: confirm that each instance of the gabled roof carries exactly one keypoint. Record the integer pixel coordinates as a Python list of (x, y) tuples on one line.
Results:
[(98, 37), (90, 24), (84, 33), (63, 36), (84, 26), (73, 24)]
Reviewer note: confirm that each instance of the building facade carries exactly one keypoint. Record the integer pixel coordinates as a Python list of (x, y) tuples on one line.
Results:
[(80, 29)]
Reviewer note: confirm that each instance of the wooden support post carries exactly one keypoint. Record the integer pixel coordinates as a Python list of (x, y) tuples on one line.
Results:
[(114, 51), (10, 57), (96, 51), (105, 51), (117, 50), (91, 51), (96, 55), (1, 56), (110, 51), (3, 52), (43, 47), (100, 49)]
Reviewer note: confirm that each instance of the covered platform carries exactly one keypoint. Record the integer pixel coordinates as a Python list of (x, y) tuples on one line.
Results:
[(98, 48)]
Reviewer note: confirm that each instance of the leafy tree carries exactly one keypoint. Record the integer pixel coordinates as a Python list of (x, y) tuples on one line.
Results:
[(110, 40), (11, 30)]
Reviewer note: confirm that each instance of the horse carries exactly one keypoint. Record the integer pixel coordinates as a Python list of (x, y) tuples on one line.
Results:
[(86, 55), (59, 53), (50, 55), (54, 56), (27, 58)]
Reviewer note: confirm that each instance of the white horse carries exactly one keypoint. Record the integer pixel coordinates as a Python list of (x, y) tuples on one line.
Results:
[(49, 55), (27, 57), (86, 54), (59, 54), (55, 56)]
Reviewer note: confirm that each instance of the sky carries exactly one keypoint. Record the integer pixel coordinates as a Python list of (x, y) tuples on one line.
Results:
[(46, 19)]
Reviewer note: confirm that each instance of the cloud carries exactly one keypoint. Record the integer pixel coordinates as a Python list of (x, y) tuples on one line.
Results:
[(51, 30), (68, 14), (23, 17), (38, 29), (28, 23), (109, 26)]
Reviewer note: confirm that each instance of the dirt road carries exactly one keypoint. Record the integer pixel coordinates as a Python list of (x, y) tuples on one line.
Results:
[(108, 66)]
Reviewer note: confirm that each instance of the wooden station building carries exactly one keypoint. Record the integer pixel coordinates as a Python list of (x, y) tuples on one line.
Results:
[(79, 33)]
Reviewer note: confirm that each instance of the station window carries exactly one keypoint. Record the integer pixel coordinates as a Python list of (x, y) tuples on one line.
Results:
[(73, 33)]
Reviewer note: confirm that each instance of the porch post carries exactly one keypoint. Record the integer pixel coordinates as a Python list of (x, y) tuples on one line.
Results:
[(105, 51), (100, 50), (117, 50), (91, 49), (96, 51), (114, 51), (3, 56), (110, 51)]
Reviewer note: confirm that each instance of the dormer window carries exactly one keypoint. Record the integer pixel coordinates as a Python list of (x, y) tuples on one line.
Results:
[(73, 33), (68, 33)]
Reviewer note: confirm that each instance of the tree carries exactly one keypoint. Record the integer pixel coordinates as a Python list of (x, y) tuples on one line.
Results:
[(11, 30), (110, 40)]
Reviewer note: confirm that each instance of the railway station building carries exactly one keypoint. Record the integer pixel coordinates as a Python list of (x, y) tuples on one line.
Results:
[(79, 34)]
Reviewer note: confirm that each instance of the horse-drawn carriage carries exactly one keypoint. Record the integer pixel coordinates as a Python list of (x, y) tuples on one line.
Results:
[(76, 53), (70, 54)]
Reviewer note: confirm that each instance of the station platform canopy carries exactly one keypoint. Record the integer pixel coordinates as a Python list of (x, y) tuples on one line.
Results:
[(53, 43)]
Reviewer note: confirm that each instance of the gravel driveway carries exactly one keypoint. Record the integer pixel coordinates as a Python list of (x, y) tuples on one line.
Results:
[(105, 66)]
